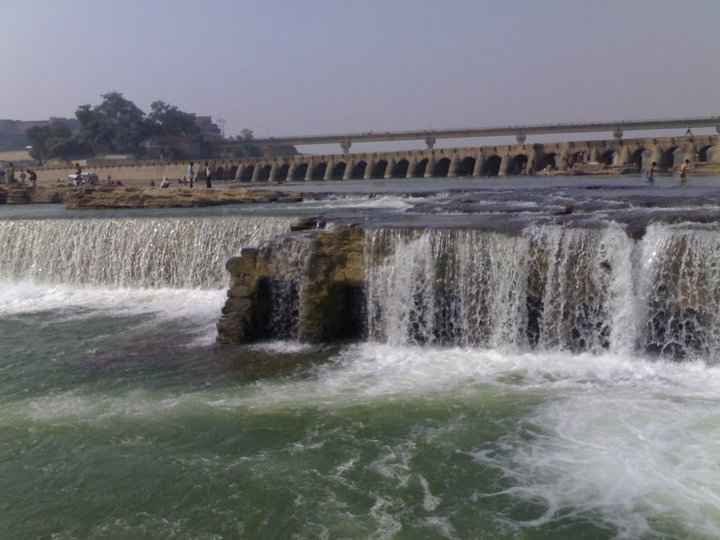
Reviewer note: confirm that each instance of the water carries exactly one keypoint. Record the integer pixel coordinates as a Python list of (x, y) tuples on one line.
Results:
[(173, 252), (462, 416)]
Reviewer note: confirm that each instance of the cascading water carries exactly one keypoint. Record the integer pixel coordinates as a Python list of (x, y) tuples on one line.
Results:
[(148, 252), (551, 288)]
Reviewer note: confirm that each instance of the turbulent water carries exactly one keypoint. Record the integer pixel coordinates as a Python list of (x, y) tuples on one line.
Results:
[(520, 386), (551, 288)]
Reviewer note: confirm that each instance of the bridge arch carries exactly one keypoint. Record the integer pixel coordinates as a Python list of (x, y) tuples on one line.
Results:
[(338, 170), (466, 166), (264, 173), (667, 158), (231, 171), (491, 166), (547, 160), (281, 172), (705, 153), (400, 169), (638, 158), (379, 168), (318, 171), (420, 168), (358, 170), (442, 167), (518, 165), (299, 172), (247, 173)]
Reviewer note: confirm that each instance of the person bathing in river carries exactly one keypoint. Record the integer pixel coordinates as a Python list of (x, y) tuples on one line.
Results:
[(651, 173), (684, 172)]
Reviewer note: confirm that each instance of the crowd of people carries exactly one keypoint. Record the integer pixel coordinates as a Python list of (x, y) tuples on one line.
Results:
[(9, 175)]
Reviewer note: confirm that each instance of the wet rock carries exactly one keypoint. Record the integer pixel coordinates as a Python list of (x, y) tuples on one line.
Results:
[(307, 285)]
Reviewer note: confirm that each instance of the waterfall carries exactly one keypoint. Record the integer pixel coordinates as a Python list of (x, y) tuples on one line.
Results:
[(551, 288), (144, 252)]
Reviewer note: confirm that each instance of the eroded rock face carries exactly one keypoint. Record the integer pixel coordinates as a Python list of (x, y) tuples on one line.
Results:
[(306, 285)]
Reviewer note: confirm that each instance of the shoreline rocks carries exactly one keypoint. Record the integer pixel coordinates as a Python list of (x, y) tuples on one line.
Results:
[(119, 197)]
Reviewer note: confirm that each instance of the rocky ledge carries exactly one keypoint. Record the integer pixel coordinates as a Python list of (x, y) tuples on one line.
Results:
[(23, 194), (118, 197), (306, 285)]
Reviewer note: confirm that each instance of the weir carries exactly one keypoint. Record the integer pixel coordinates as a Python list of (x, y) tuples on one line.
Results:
[(551, 287), (185, 252)]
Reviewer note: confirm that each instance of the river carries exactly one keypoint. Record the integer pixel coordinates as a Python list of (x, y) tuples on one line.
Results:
[(121, 418)]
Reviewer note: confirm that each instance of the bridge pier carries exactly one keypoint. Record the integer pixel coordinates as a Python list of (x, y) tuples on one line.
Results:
[(452, 169), (389, 168), (504, 165), (429, 167), (412, 163), (368, 169), (256, 173), (348, 169), (290, 172), (328, 170), (239, 171), (477, 169), (273, 171), (308, 171)]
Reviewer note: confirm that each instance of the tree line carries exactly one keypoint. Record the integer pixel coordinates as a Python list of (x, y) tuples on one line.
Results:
[(118, 126)]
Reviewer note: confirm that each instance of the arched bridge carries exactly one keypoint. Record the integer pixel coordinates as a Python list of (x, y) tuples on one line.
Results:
[(611, 156), (430, 137)]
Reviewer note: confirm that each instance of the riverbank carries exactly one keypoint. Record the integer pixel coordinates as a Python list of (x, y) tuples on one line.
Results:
[(114, 197)]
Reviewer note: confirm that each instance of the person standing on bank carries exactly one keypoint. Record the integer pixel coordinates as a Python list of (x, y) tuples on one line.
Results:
[(208, 176), (684, 171), (191, 174)]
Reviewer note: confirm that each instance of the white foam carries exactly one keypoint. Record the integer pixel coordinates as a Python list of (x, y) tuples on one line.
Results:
[(282, 347), (202, 307), (625, 441)]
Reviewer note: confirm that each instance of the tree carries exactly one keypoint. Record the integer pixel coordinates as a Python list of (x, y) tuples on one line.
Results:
[(55, 140), (117, 125), (167, 120), (247, 134)]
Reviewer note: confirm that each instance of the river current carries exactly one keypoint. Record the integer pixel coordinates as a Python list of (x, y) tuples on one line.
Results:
[(120, 417)]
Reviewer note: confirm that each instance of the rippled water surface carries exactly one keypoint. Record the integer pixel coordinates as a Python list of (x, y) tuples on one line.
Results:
[(120, 418)]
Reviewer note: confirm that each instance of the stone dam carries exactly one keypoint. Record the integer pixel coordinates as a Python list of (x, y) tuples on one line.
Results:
[(579, 269)]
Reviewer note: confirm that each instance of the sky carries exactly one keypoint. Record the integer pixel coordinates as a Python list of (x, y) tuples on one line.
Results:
[(326, 66)]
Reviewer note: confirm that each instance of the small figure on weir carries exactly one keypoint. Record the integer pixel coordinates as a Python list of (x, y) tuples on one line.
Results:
[(684, 168), (651, 173), (208, 176), (191, 174)]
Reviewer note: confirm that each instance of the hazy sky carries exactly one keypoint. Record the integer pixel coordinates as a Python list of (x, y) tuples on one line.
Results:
[(314, 66)]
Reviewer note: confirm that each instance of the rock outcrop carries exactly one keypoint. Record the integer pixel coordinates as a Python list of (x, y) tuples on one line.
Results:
[(24, 194), (119, 197), (306, 285)]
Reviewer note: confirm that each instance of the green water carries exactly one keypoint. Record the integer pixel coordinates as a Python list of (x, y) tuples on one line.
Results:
[(120, 419)]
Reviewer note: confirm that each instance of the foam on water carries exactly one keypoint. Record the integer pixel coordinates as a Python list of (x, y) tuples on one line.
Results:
[(198, 306), (626, 442)]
